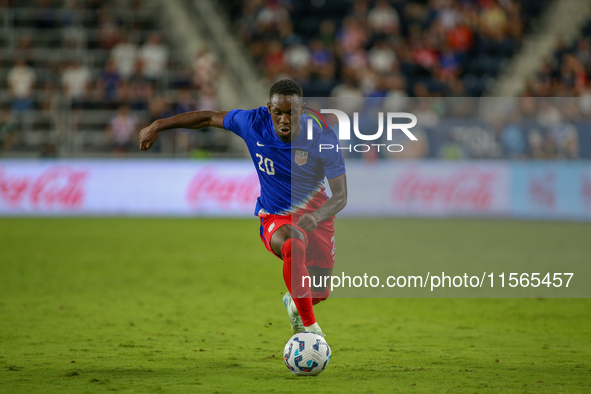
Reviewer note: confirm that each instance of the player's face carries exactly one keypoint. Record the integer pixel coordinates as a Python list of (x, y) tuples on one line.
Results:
[(286, 119)]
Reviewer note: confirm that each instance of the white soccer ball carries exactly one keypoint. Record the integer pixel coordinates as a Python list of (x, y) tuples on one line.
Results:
[(306, 353)]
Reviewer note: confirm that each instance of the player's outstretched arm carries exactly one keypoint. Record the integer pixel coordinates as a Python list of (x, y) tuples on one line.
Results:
[(188, 120), (332, 206)]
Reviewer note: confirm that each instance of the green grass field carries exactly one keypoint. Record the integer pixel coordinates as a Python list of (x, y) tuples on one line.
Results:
[(180, 306)]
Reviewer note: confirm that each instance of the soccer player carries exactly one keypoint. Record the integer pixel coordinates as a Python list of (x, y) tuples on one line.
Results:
[(297, 217)]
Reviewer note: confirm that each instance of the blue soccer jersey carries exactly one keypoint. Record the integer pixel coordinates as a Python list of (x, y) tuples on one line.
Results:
[(291, 174)]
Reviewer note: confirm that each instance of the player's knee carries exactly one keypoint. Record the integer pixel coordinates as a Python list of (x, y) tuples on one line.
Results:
[(319, 296), (321, 290), (282, 235)]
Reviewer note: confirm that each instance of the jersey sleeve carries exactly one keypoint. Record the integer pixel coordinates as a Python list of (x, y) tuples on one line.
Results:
[(332, 161), (239, 122)]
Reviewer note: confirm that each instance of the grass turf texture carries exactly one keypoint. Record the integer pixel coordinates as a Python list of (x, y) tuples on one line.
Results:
[(144, 305)]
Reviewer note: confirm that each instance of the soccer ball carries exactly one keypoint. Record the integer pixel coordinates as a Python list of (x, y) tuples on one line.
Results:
[(306, 353)]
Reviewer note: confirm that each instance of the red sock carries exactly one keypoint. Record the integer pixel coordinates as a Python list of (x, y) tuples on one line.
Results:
[(319, 297), (294, 267)]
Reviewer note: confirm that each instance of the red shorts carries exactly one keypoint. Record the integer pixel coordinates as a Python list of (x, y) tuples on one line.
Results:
[(320, 247)]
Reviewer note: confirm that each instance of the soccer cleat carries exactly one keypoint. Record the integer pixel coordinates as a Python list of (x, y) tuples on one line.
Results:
[(294, 317)]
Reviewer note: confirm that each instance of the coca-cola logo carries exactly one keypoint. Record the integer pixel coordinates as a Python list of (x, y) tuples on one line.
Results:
[(211, 186), (57, 187), (462, 189), (542, 189)]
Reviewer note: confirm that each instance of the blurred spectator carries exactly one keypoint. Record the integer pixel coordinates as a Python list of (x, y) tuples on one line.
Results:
[(450, 46), (449, 65), (76, 79), (548, 114), (447, 13), (424, 53), (137, 90), (382, 58), (356, 61), (204, 69), (567, 74), (571, 148), (71, 14), (124, 55), (320, 56), (566, 140), (352, 36), (41, 32), (383, 19), (109, 82), (271, 15), (21, 80), (274, 61), (426, 111), (585, 102), (154, 56), (121, 130), (460, 37), (513, 138), (298, 56), (493, 18), (535, 140), (583, 53), (108, 31), (385, 49)]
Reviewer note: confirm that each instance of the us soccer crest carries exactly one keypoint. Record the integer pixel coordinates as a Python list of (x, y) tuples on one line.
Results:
[(301, 157)]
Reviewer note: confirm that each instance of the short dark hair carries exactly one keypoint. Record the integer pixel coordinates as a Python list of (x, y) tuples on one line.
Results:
[(286, 87)]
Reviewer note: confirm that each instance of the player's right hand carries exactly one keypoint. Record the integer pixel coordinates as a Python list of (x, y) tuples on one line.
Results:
[(308, 222), (148, 137)]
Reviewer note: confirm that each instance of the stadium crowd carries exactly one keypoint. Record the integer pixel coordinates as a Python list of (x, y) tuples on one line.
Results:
[(567, 72), (91, 58), (107, 65), (376, 48), (400, 49)]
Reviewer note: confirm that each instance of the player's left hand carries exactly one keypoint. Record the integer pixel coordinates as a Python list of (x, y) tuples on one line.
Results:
[(308, 222)]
